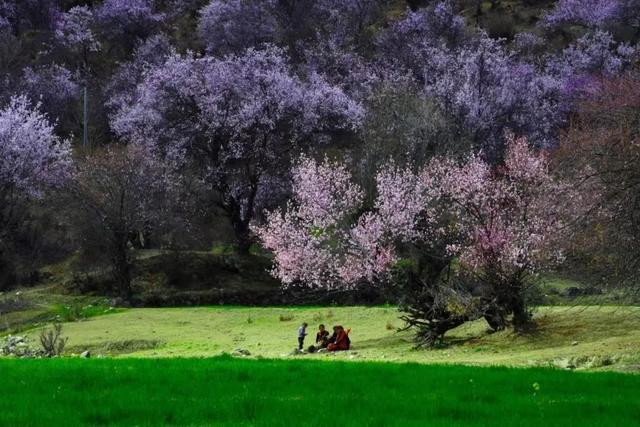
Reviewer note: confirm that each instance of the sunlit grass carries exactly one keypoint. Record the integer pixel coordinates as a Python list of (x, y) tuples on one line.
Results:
[(588, 337)]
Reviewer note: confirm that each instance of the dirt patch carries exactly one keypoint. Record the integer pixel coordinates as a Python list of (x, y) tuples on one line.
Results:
[(120, 347)]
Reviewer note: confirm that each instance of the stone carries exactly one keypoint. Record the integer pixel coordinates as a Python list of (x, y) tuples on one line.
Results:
[(85, 354), (241, 352), (564, 363)]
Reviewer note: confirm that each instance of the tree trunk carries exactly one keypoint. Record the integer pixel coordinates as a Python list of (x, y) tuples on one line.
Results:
[(85, 117), (122, 268), (243, 237), (521, 316), (495, 317), (239, 222)]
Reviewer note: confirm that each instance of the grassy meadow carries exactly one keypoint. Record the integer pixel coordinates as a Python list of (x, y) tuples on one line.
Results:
[(582, 337), (235, 392), (175, 366)]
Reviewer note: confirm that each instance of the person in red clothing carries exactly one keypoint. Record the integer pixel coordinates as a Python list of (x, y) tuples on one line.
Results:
[(342, 341)]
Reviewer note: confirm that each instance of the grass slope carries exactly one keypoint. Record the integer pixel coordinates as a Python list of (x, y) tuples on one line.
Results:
[(233, 392), (591, 337)]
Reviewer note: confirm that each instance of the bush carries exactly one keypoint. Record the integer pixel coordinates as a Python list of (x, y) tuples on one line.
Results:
[(52, 341)]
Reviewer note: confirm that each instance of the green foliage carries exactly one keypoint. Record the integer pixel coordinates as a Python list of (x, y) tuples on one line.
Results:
[(223, 250), (256, 250), (231, 392)]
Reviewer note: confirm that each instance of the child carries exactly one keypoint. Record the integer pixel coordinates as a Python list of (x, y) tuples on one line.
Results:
[(302, 332)]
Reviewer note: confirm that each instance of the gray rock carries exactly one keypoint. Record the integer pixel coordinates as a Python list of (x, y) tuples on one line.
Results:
[(564, 363), (241, 352), (85, 354)]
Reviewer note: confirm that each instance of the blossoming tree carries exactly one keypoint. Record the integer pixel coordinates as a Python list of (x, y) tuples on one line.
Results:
[(236, 120), (501, 224), (32, 160)]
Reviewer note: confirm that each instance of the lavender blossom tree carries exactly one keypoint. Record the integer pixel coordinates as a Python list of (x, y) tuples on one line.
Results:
[(419, 41), (33, 160), (473, 78), (127, 21), (600, 14), (74, 30), (238, 120), (54, 86), (19, 16), (594, 56), (232, 26)]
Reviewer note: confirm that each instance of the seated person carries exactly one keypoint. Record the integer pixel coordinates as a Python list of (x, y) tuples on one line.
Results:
[(333, 336), (322, 337), (342, 341)]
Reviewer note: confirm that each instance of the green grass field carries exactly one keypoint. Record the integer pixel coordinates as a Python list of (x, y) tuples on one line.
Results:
[(585, 337), (234, 392), (170, 366)]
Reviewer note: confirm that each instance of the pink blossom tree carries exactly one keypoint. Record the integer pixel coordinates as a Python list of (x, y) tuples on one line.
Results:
[(502, 224), (511, 221), (326, 238)]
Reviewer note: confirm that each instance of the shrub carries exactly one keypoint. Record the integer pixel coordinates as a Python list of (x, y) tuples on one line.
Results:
[(52, 341), (390, 326), (286, 317)]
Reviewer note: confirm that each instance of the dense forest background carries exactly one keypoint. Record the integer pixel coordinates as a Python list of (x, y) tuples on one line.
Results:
[(142, 141)]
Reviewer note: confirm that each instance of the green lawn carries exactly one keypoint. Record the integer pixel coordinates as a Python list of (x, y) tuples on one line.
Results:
[(233, 392), (585, 337)]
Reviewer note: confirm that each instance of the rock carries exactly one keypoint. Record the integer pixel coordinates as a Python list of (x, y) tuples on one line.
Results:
[(85, 354), (241, 352), (574, 343), (14, 340), (564, 363)]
